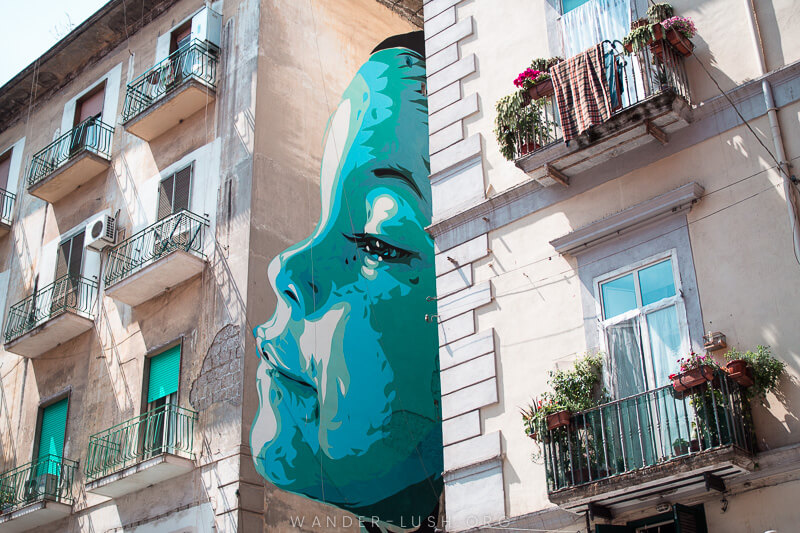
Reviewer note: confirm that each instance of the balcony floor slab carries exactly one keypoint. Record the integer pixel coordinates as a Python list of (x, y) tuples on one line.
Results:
[(50, 334), (170, 110), (156, 278), (34, 515), (141, 475), (677, 476), (79, 170), (623, 132)]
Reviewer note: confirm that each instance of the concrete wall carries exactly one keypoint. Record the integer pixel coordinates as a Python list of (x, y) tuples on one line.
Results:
[(541, 308)]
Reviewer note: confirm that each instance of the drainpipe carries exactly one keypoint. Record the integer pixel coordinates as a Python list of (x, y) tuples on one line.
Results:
[(789, 187)]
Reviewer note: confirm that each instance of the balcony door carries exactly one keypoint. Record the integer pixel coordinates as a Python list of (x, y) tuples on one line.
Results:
[(46, 475), (645, 331), (160, 425), (173, 196), (69, 265), (585, 23), (88, 110)]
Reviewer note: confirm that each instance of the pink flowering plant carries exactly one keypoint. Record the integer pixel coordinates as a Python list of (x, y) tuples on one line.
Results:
[(694, 360), (683, 25), (530, 77)]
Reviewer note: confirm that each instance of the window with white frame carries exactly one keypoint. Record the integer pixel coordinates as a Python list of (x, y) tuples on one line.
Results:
[(643, 324)]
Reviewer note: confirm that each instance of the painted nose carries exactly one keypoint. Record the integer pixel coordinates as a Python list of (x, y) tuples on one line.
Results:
[(295, 282)]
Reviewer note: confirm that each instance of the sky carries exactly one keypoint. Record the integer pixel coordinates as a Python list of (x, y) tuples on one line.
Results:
[(28, 28)]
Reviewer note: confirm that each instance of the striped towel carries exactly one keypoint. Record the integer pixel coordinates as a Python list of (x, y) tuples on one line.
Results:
[(581, 91)]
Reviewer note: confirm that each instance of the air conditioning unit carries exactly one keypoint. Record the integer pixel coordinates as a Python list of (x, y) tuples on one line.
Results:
[(101, 232)]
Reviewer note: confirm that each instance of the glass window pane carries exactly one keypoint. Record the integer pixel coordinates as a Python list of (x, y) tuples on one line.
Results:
[(618, 296), (569, 5), (656, 282), (665, 343)]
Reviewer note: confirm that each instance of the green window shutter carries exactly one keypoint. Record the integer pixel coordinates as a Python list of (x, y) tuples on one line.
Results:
[(54, 426), (165, 369)]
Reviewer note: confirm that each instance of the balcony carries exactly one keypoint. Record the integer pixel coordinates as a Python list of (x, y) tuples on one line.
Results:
[(653, 104), (6, 211), (71, 160), (156, 259), (657, 443), (171, 91), (36, 494), (51, 316), (140, 452)]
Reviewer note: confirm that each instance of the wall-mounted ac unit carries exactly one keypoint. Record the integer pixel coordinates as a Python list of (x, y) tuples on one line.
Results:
[(101, 232)]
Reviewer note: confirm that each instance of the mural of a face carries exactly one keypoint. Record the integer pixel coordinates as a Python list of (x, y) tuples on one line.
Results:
[(348, 377)]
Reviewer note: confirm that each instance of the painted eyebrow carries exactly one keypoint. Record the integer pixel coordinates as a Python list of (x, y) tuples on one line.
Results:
[(394, 173)]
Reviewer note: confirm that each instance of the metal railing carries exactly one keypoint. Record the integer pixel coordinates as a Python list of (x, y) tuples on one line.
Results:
[(647, 429), (68, 293), (48, 478), (91, 135), (655, 69), (183, 230), (197, 60), (6, 206), (166, 429)]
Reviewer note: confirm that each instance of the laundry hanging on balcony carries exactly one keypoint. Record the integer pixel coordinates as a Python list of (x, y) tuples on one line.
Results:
[(581, 91)]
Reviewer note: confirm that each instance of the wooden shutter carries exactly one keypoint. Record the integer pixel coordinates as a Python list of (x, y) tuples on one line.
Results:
[(53, 429), (180, 36), (690, 519), (165, 371), (183, 187), (165, 189), (5, 168), (90, 105), (70, 257), (607, 528)]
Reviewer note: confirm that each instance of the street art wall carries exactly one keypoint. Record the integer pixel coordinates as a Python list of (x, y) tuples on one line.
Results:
[(348, 380)]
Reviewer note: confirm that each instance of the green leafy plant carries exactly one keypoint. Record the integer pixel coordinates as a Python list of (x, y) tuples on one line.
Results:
[(658, 12), (516, 123), (639, 37), (767, 369)]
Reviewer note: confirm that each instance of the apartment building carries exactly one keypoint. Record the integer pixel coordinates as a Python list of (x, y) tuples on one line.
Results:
[(675, 194), (151, 163)]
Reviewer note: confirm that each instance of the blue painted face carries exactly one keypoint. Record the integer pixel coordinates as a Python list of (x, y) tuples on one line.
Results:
[(348, 380)]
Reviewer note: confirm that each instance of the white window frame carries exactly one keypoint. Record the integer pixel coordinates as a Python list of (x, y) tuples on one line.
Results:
[(641, 311)]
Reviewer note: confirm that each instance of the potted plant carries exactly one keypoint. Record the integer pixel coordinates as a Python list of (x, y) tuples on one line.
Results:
[(680, 446), (695, 369), (518, 126), (658, 12), (679, 31), (638, 38), (760, 368), (535, 80)]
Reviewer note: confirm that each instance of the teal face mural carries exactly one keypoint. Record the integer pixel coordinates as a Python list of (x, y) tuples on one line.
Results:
[(348, 377)]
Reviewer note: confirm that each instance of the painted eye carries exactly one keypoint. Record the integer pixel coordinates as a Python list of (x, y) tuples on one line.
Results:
[(379, 249)]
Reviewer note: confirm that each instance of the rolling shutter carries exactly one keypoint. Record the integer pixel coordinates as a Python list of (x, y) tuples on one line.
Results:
[(174, 191), (54, 426), (165, 369)]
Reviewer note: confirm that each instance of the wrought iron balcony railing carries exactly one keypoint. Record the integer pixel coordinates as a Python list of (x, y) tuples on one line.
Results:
[(196, 60), (183, 230), (641, 75), (48, 478), (167, 429), (647, 429), (91, 135), (6, 206), (68, 293)]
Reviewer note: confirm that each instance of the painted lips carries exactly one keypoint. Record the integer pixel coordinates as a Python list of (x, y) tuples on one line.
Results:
[(272, 359)]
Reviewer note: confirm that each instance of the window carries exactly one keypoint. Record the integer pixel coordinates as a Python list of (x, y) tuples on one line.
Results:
[(643, 324), (90, 105), (585, 23), (70, 257), (174, 191), (680, 518), (52, 429), (569, 5)]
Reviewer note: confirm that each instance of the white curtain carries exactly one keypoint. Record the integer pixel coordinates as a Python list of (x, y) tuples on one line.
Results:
[(594, 22), (625, 364), (665, 343)]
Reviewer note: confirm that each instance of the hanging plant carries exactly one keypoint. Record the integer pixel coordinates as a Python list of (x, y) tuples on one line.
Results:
[(638, 38), (658, 12)]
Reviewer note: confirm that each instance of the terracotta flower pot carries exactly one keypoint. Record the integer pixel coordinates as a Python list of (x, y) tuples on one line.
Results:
[(557, 420), (740, 372), (694, 445), (542, 89), (692, 378), (638, 23), (528, 147), (680, 449), (683, 45)]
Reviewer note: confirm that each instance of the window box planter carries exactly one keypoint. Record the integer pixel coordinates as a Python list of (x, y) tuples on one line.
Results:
[(741, 372), (692, 378), (542, 89), (679, 42), (557, 420)]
